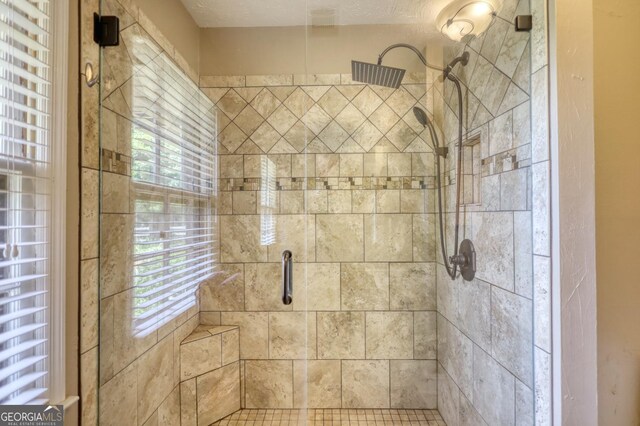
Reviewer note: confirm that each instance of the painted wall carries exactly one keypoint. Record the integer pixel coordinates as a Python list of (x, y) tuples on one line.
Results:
[(300, 50), (177, 26), (617, 149), (573, 213)]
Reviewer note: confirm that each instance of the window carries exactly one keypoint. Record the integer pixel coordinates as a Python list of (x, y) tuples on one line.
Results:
[(30, 275), (173, 174)]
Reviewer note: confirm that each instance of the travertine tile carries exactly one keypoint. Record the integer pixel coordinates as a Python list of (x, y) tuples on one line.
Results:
[(543, 389), (188, 403), (327, 165), (244, 202), (218, 394), (339, 201), (388, 237), (254, 332), (513, 190), (351, 165), (474, 312), (455, 353), (387, 201), (365, 286), (363, 201), (295, 233), (155, 371), (540, 209), (512, 333), (389, 335), (365, 384), (89, 304), (269, 384), (89, 386), (317, 201), (231, 166), (341, 335), (292, 202), (493, 389), (317, 384), (375, 164), (339, 238), (413, 384), (367, 101), (412, 286), (169, 411), (320, 284), (469, 416), (400, 165), (493, 235), (448, 397), (225, 290), (89, 214), (200, 356), (350, 118), (303, 165), (230, 346), (263, 291), (425, 339), (240, 239), (115, 193), (292, 335), (270, 80), (542, 302), (119, 395), (524, 404)]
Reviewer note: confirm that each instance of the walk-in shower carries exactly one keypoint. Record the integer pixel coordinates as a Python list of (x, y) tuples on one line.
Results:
[(270, 207)]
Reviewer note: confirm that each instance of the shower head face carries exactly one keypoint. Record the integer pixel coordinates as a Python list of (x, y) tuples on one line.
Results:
[(421, 116), (375, 74)]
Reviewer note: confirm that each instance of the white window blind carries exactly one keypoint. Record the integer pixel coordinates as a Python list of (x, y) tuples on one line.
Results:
[(173, 170), (25, 204)]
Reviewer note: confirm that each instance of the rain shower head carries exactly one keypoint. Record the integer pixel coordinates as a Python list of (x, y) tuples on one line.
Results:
[(376, 74)]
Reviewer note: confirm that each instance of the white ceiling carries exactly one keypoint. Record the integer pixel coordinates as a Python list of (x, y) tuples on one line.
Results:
[(276, 13)]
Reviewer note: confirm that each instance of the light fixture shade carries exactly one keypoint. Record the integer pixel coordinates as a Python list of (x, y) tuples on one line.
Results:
[(463, 20)]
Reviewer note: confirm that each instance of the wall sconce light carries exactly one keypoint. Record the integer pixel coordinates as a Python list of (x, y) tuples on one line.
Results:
[(464, 20)]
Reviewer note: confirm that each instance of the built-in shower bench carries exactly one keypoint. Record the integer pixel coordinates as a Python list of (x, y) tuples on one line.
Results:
[(209, 374)]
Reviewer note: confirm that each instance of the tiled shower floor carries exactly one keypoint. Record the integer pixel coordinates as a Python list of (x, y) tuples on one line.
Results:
[(333, 417)]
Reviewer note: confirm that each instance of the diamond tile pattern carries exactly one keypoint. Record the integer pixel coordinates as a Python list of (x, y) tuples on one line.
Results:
[(346, 118)]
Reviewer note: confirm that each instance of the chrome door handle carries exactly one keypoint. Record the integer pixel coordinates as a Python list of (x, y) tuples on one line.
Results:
[(287, 277)]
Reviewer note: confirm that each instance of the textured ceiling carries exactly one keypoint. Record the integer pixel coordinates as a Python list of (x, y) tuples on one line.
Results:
[(276, 13)]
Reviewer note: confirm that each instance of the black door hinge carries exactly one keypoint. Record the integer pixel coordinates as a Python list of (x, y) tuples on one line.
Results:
[(106, 30), (524, 23)]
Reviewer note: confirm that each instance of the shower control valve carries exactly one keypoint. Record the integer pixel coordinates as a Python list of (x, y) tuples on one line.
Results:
[(465, 260), (458, 260)]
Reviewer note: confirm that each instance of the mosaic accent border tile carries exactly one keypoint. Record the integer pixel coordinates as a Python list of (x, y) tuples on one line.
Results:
[(330, 183)]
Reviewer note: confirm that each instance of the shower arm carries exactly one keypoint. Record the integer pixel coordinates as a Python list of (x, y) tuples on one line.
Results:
[(412, 48)]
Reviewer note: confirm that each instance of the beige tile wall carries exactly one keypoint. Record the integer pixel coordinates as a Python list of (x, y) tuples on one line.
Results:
[(353, 190), (486, 327)]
